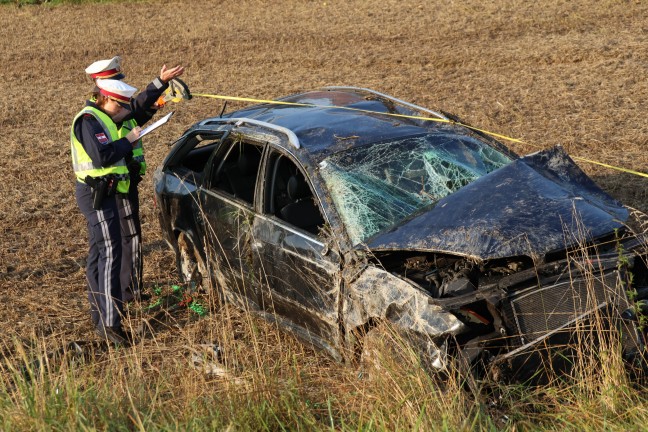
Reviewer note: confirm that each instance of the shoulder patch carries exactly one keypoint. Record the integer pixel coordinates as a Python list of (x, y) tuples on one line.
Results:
[(102, 138)]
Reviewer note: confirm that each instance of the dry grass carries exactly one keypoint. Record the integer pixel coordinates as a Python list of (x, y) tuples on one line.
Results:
[(553, 72)]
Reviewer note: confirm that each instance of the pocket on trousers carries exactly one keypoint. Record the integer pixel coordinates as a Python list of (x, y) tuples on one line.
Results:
[(105, 215)]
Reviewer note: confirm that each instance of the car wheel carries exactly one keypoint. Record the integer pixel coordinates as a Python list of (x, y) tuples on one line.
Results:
[(189, 264)]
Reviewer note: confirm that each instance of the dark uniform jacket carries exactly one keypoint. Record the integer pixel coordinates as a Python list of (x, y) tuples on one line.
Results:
[(90, 133)]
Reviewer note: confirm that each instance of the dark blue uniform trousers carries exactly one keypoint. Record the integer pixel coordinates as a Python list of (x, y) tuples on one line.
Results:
[(131, 238), (104, 258)]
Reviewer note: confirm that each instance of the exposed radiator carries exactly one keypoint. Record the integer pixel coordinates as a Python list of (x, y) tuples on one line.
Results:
[(537, 313)]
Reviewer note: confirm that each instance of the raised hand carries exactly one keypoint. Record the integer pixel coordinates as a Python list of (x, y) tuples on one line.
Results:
[(167, 75)]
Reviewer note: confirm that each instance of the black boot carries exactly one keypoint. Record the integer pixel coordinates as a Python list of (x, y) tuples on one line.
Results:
[(115, 335)]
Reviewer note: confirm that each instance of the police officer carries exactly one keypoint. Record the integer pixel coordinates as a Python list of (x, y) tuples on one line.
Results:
[(142, 109), (98, 150)]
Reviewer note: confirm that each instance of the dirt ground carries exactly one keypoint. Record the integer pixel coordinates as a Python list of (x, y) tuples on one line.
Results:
[(562, 72)]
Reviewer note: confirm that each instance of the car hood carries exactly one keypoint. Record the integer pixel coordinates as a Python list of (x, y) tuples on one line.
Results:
[(536, 204)]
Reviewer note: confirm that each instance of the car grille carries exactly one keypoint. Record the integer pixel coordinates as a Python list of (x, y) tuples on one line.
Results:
[(537, 313)]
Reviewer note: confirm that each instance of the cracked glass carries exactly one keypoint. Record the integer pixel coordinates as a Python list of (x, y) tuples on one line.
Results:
[(376, 186)]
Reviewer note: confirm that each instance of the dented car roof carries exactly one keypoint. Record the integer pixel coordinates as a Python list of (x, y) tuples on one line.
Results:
[(333, 119)]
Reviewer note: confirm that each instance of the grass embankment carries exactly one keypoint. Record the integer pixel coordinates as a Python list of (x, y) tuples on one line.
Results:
[(250, 376), (201, 365)]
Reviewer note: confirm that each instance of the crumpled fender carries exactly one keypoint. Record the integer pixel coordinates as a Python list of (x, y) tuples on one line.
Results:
[(379, 295)]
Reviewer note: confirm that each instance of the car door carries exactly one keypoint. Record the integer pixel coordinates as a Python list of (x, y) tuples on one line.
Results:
[(300, 276), (227, 206)]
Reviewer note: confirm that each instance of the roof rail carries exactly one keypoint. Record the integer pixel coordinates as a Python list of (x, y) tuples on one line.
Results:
[(292, 138), (391, 98)]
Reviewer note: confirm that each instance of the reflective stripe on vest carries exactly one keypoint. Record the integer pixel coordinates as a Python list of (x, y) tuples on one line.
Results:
[(81, 162), (138, 150)]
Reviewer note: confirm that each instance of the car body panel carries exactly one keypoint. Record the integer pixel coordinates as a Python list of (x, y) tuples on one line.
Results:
[(172, 212), (227, 225), (299, 280), (378, 294)]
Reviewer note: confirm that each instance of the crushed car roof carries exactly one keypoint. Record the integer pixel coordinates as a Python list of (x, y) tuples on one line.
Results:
[(336, 118)]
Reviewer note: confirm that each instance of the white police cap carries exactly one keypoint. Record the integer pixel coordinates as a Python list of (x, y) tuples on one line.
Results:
[(117, 90), (106, 69)]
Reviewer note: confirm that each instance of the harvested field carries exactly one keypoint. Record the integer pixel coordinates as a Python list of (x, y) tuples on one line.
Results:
[(565, 72)]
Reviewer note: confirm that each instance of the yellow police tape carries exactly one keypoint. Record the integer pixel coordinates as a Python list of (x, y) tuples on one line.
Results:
[(626, 170), (439, 120)]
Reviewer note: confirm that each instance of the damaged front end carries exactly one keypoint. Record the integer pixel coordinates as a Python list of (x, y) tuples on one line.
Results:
[(377, 296), (507, 284), (512, 316)]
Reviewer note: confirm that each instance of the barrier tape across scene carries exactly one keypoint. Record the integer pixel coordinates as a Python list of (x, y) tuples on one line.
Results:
[(438, 120)]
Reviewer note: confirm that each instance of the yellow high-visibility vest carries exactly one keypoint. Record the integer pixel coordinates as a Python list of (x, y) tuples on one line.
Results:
[(81, 162), (138, 150)]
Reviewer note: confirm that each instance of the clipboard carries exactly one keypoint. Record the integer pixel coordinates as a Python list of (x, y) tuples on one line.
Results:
[(156, 125)]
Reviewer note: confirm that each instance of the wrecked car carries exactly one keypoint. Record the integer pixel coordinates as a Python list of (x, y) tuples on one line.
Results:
[(332, 211)]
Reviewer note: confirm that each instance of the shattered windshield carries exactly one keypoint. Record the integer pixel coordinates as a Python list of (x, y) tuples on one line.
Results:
[(378, 185)]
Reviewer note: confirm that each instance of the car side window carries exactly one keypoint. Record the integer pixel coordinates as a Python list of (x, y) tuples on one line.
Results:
[(289, 197), (190, 161), (236, 174)]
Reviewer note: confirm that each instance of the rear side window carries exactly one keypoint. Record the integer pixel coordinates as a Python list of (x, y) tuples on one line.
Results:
[(236, 173), (191, 158)]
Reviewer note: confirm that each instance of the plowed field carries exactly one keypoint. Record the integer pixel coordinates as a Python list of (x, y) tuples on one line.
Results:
[(563, 72)]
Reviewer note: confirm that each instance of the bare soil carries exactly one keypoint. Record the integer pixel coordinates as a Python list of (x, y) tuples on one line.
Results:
[(563, 72)]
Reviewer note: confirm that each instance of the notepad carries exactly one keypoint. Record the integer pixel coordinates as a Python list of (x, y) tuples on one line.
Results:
[(156, 125)]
